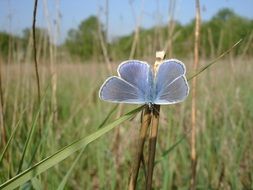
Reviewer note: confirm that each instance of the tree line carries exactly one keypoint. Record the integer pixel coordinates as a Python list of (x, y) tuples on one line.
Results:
[(85, 42)]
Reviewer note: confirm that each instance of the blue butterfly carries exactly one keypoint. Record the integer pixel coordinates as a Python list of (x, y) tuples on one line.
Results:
[(137, 83)]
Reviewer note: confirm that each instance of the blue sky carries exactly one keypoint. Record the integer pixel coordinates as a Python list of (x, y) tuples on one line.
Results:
[(15, 15)]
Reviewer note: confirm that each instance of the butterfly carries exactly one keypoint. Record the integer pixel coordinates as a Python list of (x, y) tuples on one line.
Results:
[(136, 83)]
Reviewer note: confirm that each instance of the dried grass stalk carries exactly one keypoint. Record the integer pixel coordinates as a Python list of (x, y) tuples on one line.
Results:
[(194, 86)]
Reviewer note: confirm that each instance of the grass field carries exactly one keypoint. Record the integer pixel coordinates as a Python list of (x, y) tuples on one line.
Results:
[(224, 129)]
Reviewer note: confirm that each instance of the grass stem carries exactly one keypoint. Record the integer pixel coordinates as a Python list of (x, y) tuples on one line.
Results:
[(146, 119), (152, 146), (193, 111), (2, 121), (35, 50)]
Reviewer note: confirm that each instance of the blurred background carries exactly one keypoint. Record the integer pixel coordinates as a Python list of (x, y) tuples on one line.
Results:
[(79, 29), (79, 44)]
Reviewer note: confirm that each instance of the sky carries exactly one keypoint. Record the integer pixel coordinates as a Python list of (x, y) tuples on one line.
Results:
[(124, 15)]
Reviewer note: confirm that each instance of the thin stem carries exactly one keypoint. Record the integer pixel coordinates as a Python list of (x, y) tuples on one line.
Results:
[(146, 119), (137, 29), (171, 28), (160, 55), (2, 120), (152, 145), (194, 86), (35, 50), (214, 61), (103, 44)]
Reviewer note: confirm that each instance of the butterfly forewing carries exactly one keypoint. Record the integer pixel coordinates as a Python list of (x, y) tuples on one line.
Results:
[(118, 90), (138, 74), (132, 85), (170, 83)]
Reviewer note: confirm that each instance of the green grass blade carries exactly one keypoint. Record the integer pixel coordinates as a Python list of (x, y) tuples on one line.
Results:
[(214, 61), (36, 184), (108, 116), (42, 139), (54, 159), (166, 152), (30, 135), (64, 180), (11, 137)]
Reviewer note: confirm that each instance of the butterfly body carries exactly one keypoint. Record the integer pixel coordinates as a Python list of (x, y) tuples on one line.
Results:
[(136, 83)]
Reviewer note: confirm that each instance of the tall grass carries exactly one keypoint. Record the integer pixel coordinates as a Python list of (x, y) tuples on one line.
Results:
[(223, 143)]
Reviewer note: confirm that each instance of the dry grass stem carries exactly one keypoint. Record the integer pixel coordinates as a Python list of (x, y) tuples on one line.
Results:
[(146, 119), (194, 86), (52, 55), (2, 124), (104, 49), (171, 27), (137, 29), (35, 50), (247, 46), (152, 146)]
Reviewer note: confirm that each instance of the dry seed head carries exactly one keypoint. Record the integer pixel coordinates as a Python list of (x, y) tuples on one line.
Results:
[(160, 55)]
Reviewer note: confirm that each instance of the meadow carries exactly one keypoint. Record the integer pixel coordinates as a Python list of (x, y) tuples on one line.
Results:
[(56, 133), (224, 128)]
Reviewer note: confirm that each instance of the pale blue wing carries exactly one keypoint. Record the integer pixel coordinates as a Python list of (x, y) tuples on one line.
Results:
[(118, 90), (170, 84), (138, 74), (176, 92)]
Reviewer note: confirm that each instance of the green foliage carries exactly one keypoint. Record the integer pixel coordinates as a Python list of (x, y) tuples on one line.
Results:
[(42, 40), (11, 45), (40, 34), (9, 42), (122, 47), (4, 43), (84, 41), (217, 35), (223, 30)]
